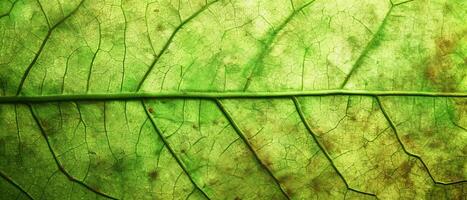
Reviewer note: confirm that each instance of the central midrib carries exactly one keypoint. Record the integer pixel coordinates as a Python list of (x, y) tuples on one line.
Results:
[(213, 95)]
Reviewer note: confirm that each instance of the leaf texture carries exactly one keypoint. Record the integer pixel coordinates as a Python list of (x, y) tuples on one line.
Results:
[(226, 99)]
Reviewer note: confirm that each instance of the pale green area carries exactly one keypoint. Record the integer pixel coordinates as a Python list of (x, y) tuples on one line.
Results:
[(340, 99)]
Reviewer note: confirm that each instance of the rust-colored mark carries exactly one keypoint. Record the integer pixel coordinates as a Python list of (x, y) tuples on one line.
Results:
[(439, 66)]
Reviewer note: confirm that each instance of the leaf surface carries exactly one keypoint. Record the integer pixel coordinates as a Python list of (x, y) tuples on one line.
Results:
[(233, 99)]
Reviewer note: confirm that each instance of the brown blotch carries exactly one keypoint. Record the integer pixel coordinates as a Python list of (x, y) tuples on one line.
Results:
[(406, 171), (439, 65), (406, 168), (328, 145)]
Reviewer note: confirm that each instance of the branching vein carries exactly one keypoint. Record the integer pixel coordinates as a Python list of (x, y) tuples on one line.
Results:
[(41, 48), (268, 44), (171, 151), (57, 162), (370, 45), (15, 184), (399, 140), (250, 147), (321, 147), (169, 41)]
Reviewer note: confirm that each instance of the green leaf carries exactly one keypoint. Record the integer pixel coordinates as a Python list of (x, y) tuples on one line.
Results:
[(224, 99)]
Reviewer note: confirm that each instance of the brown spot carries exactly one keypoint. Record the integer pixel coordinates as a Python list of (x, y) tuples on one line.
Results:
[(460, 102), (248, 132), (153, 175), (328, 145), (267, 162), (429, 132), (212, 181), (103, 164), (237, 198), (315, 184), (444, 46), (388, 174), (464, 150), (408, 141), (365, 144), (159, 27), (435, 144), (48, 128), (289, 192), (118, 165), (352, 118), (286, 178), (156, 10), (194, 126), (289, 128), (151, 110)]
